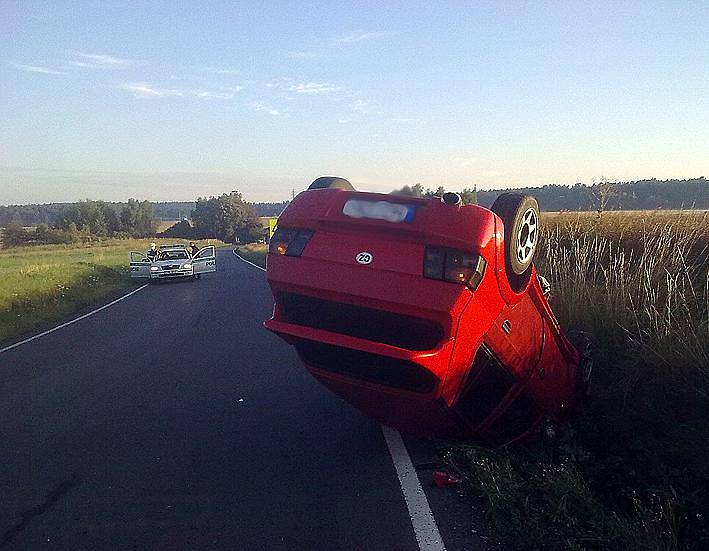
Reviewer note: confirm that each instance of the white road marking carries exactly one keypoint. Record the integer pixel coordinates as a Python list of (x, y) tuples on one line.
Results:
[(425, 527), (422, 519), (248, 261), (119, 299)]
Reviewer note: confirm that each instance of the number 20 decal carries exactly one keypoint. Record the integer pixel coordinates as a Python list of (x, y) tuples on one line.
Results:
[(364, 257)]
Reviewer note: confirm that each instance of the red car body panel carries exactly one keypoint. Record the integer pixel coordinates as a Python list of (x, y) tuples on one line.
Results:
[(421, 355)]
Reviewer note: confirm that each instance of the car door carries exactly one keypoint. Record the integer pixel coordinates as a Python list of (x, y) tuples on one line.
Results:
[(139, 265), (205, 260)]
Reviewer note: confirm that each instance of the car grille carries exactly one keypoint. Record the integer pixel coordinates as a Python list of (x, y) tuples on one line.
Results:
[(365, 366), (398, 330)]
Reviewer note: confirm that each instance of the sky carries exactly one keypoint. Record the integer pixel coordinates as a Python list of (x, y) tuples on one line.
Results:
[(179, 100)]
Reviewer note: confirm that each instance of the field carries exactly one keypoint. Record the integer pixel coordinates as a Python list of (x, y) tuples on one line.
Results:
[(41, 285)]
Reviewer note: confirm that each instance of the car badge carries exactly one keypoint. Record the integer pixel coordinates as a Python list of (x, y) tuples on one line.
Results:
[(364, 258)]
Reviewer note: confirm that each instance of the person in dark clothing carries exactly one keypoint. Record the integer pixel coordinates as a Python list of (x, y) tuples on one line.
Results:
[(152, 251), (193, 248)]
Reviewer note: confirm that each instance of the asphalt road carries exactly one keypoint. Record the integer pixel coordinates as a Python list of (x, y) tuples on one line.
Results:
[(173, 420)]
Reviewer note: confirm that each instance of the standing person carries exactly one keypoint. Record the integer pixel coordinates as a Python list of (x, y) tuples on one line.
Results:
[(152, 251), (193, 248)]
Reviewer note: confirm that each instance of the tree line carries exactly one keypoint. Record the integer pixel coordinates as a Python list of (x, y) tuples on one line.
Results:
[(85, 221), (468, 196), (604, 195), (51, 213)]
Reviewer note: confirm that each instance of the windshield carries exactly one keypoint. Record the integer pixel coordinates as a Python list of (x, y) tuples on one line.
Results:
[(173, 255)]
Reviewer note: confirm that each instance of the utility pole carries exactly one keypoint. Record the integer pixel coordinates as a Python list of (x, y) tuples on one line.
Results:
[(292, 194)]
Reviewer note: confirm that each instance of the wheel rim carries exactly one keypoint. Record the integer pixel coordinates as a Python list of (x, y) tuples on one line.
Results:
[(527, 236)]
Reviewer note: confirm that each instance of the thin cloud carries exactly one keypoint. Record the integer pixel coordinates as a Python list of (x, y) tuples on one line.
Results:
[(314, 88), (145, 90), (357, 36), (302, 55), (210, 94), (222, 71), (37, 69), (260, 107), (98, 61)]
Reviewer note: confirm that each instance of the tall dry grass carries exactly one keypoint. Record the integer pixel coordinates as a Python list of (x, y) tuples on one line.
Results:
[(633, 468), (638, 280)]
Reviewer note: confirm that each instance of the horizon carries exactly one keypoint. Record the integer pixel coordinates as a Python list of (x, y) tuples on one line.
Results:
[(478, 189), (162, 103)]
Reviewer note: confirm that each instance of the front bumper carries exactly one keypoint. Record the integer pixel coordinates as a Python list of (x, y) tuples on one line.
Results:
[(171, 274)]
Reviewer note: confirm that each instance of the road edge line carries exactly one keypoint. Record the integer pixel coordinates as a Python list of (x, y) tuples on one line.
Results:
[(248, 261), (53, 329), (422, 519)]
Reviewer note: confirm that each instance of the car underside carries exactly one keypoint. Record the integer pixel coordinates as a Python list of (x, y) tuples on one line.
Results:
[(410, 310)]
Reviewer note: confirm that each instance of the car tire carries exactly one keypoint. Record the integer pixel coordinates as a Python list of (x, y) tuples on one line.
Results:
[(197, 276), (331, 182), (520, 216)]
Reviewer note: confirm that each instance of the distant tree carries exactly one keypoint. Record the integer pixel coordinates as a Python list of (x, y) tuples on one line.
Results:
[(411, 191), (225, 217), (41, 233), (469, 196), (253, 230), (137, 218), (269, 209), (146, 224), (603, 192), (438, 193), (15, 235)]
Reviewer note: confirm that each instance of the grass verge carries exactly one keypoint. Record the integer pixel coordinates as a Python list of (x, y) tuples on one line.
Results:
[(254, 252)]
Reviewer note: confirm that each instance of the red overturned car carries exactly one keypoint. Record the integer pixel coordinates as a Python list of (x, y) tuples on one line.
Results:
[(426, 314)]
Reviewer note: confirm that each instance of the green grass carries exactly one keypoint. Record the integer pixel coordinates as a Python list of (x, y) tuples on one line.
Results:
[(254, 252), (42, 285)]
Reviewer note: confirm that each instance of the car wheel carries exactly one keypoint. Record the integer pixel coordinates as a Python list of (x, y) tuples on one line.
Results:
[(331, 182), (197, 276), (520, 216)]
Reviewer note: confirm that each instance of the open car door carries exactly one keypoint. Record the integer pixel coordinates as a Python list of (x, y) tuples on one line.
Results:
[(139, 265), (205, 260)]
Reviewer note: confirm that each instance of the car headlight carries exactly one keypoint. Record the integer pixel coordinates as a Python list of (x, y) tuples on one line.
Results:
[(186, 266), (154, 268)]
